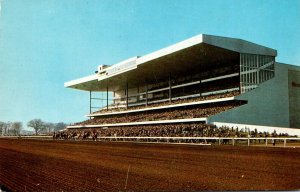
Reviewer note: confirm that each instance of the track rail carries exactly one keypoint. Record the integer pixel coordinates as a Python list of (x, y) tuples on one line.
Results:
[(220, 140)]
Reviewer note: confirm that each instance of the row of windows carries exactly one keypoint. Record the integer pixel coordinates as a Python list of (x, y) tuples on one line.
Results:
[(255, 69), (257, 77), (267, 68), (255, 61)]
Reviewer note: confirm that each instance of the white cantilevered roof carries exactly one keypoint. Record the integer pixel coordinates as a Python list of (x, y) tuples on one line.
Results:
[(232, 44), (187, 50)]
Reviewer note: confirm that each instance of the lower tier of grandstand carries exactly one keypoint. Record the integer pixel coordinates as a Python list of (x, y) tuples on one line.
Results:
[(162, 130), (175, 113)]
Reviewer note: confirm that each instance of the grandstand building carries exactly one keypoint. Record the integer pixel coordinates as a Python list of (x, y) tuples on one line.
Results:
[(204, 79)]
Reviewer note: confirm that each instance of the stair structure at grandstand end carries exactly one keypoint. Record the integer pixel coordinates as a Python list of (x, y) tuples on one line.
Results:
[(202, 80)]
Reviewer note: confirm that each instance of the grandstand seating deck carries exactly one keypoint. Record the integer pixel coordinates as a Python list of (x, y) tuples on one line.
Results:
[(183, 112), (155, 105)]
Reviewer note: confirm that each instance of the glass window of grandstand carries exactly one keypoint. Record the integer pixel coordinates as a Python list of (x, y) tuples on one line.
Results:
[(255, 69)]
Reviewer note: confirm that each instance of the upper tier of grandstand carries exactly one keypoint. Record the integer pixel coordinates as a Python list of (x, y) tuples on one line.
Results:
[(180, 102)]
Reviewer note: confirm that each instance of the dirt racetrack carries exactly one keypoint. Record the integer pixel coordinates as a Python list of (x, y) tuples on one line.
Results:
[(37, 165)]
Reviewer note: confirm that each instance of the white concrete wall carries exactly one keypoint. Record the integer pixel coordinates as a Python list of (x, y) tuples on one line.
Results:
[(290, 131), (132, 91), (268, 105)]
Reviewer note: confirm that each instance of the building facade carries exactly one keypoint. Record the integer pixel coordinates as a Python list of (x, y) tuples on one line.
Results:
[(217, 80)]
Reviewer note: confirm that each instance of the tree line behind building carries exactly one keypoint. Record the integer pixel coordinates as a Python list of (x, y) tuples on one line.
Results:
[(39, 127)]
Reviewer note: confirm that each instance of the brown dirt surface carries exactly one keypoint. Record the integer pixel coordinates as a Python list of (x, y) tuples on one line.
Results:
[(37, 165)]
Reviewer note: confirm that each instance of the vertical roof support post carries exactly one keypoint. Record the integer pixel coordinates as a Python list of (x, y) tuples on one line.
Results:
[(138, 94), (126, 93), (240, 77), (200, 79), (200, 83), (114, 95), (200, 87), (146, 93), (170, 88), (257, 73), (107, 97), (90, 103)]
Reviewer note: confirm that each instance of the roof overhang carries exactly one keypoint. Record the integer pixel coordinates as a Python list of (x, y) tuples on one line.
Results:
[(84, 83), (200, 51)]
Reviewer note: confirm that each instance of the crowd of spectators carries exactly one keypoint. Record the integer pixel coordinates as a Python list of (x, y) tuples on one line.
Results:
[(174, 101), (168, 130), (164, 114), (163, 130)]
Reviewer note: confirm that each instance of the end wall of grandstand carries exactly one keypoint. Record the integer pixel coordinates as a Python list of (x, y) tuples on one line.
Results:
[(275, 102)]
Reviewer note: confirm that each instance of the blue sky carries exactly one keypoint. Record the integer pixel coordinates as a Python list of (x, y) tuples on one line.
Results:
[(46, 43)]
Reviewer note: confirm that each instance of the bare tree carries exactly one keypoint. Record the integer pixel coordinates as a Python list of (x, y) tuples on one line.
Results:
[(8, 130), (49, 127), (37, 124), (2, 128), (60, 126), (16, 128), (5, 128)]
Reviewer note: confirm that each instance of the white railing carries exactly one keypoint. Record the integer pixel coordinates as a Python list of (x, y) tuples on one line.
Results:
[(216, 139), (219, 140)]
